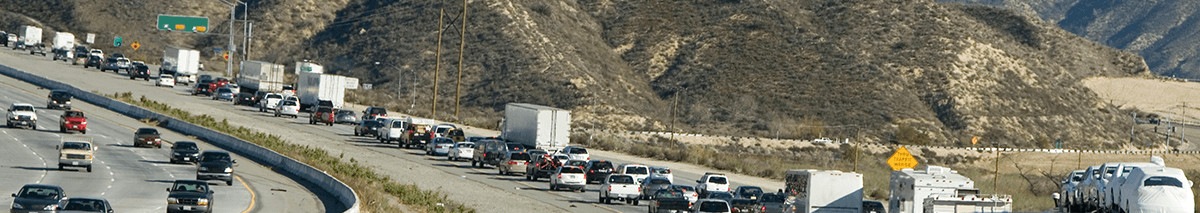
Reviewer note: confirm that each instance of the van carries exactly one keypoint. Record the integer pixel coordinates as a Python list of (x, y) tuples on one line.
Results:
[(638, 171), (488, 152)]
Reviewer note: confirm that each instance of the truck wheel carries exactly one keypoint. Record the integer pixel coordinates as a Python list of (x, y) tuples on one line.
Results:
[(131, 77), (60, 167), (89, 168), (329, 124), (229, 183), (635, 202)]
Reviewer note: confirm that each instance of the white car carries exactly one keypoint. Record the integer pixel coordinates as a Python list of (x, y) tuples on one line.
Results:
[(711, 205), (638, 171), (22, 114), (165, 80), (664, 172), (561, 158), (712, 182), (461, 150), (439, 146), (568, 177), (269, 102), (234, 87), (576, 153), (290, 108)]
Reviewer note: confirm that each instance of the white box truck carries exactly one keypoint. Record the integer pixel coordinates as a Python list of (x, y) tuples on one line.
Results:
[(939, 189), (62, 46), (313, 87), (33, 36), (309, 67), (260, 76), (824, 191), (536, 126), (183, 63)]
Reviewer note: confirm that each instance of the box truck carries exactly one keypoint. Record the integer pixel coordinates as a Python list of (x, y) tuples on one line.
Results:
[(260, 76), (536, 126), (182, 63), (33, 35), (823, 191), (312, 87), (939, 189), (63, 45)]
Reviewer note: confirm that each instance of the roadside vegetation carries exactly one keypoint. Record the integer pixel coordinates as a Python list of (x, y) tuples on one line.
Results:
[(376, 192)]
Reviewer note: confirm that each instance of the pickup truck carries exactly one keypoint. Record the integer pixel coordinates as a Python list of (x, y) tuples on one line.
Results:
[(189, 196), (321, 115), (72, 121), (76, 151), (669, 201), (21, 114), (543, 166), (147, 137), (215, 165), (620, 187)]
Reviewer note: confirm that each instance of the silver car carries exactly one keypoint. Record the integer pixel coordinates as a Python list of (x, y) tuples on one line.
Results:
[(224, 94), (345, 116), (461, 150), (513, 162)]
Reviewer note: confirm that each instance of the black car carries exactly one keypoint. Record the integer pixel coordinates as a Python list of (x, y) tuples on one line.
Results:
[(215, 165), (185, 151), (19, 46), (244, 98), (597, 170), (59, 99), (38, 198), (86, 204), (367, 127), (871, 206), (202, 88), (375, 111), (139, 70), (37, 49), (93, 61), (189, 196)]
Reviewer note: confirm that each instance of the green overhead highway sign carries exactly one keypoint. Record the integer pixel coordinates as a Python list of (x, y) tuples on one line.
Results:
[(183, 23)]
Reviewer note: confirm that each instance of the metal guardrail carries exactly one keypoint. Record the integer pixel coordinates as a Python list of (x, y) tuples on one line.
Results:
[(342, 192)]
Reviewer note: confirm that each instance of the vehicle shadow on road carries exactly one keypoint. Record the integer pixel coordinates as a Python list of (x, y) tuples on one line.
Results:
[(39, 168), (451, 165), (584, 201), (122, 145), (376, 145), (161, 181), (155, 161), (363, 140)]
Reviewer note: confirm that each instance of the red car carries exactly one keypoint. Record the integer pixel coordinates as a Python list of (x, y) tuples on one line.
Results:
[(220, 82), (322, 115), (72, 120), (147, 137)]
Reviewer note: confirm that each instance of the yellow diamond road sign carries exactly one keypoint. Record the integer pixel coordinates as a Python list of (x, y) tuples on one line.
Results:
[(902, 159)]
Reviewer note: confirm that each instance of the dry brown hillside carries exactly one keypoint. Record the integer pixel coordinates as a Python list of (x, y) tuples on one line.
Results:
[(901, 71)]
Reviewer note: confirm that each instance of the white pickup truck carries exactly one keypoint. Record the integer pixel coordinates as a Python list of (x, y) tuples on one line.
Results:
[(620, 187)]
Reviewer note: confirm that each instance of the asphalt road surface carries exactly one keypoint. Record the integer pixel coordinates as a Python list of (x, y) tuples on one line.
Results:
[(342, 137), (132, 179)]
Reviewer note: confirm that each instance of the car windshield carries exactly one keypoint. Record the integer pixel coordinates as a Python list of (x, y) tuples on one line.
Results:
[(514, 146), (442, 130), (76, 145), (578, 150), (186, 146), (73, 114), (771, 198), (717, 180), (750, 191), (397, 124), (60, 95), (640, 170), (274, 96), (571, 169), (659, 181), (720, 196), (224, 90), (601, 165), (289, 103), (578, 163), (661, 171), (378, 111), (518, 156), (683, 187), (442, 140), (147, 131), (165, 77), (38, 193), (668, 194), (215, 156), (714, 207), (465, 145), (87, 205), (626, 179), (1163, 181), (22, 108), (345, 113), (370, 123), (190, 187)]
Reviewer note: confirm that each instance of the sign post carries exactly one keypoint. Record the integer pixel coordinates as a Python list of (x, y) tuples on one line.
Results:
[(902, 159)]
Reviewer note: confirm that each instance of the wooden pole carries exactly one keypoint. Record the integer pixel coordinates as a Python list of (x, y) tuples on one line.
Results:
[(437, 67), (462, 45)]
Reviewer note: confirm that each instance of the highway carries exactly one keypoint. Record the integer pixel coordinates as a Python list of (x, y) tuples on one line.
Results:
[(482, 189), (132, 179)]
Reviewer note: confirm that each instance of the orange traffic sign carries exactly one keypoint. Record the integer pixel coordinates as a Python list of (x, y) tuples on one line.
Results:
[(226, 56), (974, 140), (902, 159), (135, 45)]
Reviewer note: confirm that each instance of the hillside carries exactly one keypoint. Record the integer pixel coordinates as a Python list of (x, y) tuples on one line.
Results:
[(918, 72), (1165, 33)]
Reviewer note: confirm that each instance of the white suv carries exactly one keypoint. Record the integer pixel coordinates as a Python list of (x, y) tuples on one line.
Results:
[(576, 153), (569, 177), (711, 182), (392, 130), (638, 171), (21, 114)]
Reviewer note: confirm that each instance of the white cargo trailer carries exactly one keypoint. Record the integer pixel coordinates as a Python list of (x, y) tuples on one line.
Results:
[(824, 191), (63, 43), (312, 87), (536, 126), (939, 189), (309, 67), (183, 63), (33, 35), (260, 76)]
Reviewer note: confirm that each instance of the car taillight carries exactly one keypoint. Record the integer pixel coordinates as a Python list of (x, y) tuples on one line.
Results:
[(560, 176), (437, 147), (592, 171), (689, 205), (762, 208), (512, 162)]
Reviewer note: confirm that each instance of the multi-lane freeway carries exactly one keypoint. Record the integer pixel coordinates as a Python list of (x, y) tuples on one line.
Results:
[(482, 189), (132, 179)]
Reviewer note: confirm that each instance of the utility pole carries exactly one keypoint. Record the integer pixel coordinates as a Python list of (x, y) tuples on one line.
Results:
[(462, 45), (232, 19), (437, 68), (246, 30)]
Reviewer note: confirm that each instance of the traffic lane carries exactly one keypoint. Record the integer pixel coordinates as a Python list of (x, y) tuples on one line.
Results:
[(278, 189)]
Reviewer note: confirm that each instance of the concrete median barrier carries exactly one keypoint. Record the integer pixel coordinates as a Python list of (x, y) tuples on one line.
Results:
[(342, 192)]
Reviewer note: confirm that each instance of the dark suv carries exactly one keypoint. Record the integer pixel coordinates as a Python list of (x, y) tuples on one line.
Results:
[(93, 61), (38, 198), (59, 99), (373, 112), (189, 196), (597, 170), (215, 165), (185, 152), (139, 70)]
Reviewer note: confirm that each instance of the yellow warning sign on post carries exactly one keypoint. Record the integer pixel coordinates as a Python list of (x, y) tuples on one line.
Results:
[(135, 45), (226, 56), (902, 159), (974, 140)]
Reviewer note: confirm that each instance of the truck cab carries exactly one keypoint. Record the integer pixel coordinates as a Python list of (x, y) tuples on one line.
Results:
[(72, 120), (76, 151), (189, 196), (22, 114)]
